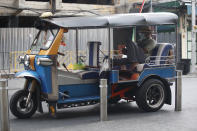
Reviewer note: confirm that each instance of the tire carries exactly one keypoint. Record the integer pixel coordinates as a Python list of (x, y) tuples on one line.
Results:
[(151, 95), (17, 105)]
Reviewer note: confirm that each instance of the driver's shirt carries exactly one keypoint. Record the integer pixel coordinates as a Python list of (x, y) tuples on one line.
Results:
[(135, 54)]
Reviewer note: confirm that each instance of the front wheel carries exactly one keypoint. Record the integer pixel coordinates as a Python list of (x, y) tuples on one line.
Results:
[(151, 95), (18, 104)]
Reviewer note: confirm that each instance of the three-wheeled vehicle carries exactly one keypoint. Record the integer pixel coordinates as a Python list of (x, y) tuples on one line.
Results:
[(63, 88)]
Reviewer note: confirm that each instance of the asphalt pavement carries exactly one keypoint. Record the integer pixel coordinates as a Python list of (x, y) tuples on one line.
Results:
[(121, 117)]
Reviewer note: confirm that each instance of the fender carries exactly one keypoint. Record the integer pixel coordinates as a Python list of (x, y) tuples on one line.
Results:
[(29, 73), (34, 75), (166, 84)]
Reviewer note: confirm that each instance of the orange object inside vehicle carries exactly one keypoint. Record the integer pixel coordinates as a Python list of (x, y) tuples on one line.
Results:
[(135, 76)]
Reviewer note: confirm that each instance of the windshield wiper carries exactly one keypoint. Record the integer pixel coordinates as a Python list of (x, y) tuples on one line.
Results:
[(36, 38), (52, 32)]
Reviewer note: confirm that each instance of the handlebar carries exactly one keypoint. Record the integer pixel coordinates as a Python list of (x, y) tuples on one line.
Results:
[(59, 53)]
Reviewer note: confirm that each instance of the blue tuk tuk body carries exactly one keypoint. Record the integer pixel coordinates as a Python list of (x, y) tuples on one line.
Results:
[(64, 88)]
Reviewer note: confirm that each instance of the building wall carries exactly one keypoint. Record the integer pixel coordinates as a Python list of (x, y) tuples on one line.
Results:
[(24, 8)]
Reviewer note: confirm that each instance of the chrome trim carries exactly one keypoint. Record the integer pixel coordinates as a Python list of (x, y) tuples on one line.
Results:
[(44, 61)]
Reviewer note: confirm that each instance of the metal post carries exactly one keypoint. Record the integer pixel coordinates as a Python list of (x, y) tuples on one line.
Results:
[(53, 6), (151, 6), (110, 46), (178, 91), (178, 49), (77, 45), (103, 100), (193, 57), (109, 42), (3, 61), (4, 110)]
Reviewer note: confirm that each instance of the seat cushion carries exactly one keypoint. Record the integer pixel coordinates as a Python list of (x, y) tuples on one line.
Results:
[(89, 75), (161, 51), (141, 67)]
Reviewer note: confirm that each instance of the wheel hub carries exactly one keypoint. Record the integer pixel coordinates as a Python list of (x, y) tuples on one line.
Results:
[(155, 95), (21, 105)]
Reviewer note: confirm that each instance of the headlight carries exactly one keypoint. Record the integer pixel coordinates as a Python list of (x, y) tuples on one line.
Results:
[(21, 59), (27, 60)]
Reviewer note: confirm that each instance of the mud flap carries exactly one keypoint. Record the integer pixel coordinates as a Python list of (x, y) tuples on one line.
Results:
[(52, 109)]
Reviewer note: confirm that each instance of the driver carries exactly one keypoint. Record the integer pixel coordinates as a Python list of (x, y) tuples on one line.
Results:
[(137, 52), (145, 40)]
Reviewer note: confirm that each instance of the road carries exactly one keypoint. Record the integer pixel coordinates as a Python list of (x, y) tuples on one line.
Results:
[(122, 117)]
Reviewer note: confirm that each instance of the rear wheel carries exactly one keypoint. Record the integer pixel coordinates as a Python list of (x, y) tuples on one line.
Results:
[(18, 104), (151, 95)]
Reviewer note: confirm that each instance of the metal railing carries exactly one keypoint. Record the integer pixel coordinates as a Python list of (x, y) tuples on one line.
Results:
[(14, 64), (153, 61), (4, 62)]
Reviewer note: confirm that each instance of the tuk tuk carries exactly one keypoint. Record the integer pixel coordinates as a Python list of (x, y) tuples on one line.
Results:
[(64, 88)]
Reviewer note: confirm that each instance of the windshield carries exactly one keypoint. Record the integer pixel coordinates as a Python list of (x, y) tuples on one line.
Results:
[(43, 40)]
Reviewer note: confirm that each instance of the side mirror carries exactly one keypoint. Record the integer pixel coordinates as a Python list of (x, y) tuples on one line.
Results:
[(65, 30), (63, 42)]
